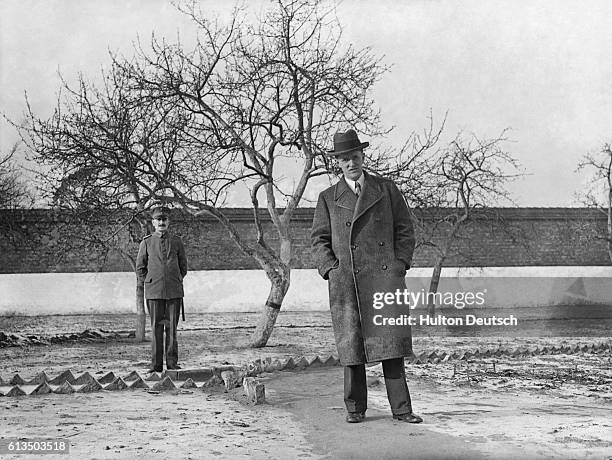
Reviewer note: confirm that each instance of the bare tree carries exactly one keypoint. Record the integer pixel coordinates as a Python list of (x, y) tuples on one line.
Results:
[(13, 190), (106, 154), (263, 98), (248, 105), (447, 188), (599, 194), (15, 195)]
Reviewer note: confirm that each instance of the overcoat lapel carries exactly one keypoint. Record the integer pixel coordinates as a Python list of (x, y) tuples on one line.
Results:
[(344, 196), (370, 195)]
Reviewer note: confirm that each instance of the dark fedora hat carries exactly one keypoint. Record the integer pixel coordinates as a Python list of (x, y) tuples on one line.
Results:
[(346, 142)]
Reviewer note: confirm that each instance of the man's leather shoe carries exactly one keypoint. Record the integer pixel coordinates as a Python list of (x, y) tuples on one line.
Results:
[(175, 367), (409, 418), (153, 369), (355, 417)]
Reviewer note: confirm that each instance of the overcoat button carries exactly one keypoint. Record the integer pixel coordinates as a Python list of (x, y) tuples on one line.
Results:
[(384, 267), (348, 224), (356, 271), (381, 243), (353, 246)]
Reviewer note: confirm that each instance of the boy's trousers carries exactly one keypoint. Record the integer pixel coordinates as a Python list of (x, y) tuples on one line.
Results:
[(164, 316)]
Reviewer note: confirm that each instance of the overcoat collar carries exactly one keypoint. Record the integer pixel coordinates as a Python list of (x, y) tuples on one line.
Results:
[(345, 198)]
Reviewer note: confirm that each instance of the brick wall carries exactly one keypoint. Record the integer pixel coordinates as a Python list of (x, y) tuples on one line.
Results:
[(35, 241)]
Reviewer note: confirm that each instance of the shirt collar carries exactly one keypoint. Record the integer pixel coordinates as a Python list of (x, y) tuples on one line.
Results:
[(351, 183)]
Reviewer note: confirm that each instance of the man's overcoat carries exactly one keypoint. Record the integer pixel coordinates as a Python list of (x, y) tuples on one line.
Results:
[(363, 246), (161, 266)]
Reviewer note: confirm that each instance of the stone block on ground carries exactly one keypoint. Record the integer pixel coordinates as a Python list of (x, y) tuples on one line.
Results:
[(520, 352), (165, 384), (90, 387), (116, 385), (267, 365), (65, 376), (197, 375), (43, 388), (254, 367), (214, 381), (137, 383), (218, 369), (189, 383), (107, 378), (254, 390), (15, 391), (330, 361), (38, 379), (17, 380), (64, 389), (131, 376), (301, 363), (153, 377), (232, 379), (84, 378)]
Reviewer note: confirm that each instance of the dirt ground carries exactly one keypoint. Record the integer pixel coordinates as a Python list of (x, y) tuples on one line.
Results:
[(545, 406)]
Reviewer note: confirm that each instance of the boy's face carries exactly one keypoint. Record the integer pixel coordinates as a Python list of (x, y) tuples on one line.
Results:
[(161, 223)]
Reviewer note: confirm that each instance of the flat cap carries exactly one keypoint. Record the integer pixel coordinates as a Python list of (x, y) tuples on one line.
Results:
[(160, 211)]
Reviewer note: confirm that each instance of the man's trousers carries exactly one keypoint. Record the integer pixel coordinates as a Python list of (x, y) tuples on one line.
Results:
[(356, 389), (164, 316)]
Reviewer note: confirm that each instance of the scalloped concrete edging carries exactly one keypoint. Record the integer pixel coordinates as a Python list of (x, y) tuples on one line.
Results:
[(235, 376), (87, 336), (438, 357)]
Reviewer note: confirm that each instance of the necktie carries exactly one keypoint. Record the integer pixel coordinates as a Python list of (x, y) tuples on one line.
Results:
[(357, 188)]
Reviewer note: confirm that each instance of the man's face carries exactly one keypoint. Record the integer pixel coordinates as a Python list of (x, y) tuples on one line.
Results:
[(351, 164), (161, 223)]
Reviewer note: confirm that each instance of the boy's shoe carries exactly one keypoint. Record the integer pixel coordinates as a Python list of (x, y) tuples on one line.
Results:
[(355, 417)]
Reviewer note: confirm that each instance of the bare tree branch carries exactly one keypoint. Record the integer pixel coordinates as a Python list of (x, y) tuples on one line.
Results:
[(599, 192)]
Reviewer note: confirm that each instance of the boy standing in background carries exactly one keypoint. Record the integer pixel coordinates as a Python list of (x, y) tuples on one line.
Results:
[(161, 266)]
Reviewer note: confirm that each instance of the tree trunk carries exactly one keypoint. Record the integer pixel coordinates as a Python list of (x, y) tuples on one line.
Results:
[(433, 285), (435, 276), (279, 287), (610, 222), (141, 316)]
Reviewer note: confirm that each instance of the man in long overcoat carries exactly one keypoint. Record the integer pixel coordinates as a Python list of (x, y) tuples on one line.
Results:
[(363, 240), (161, 266)]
